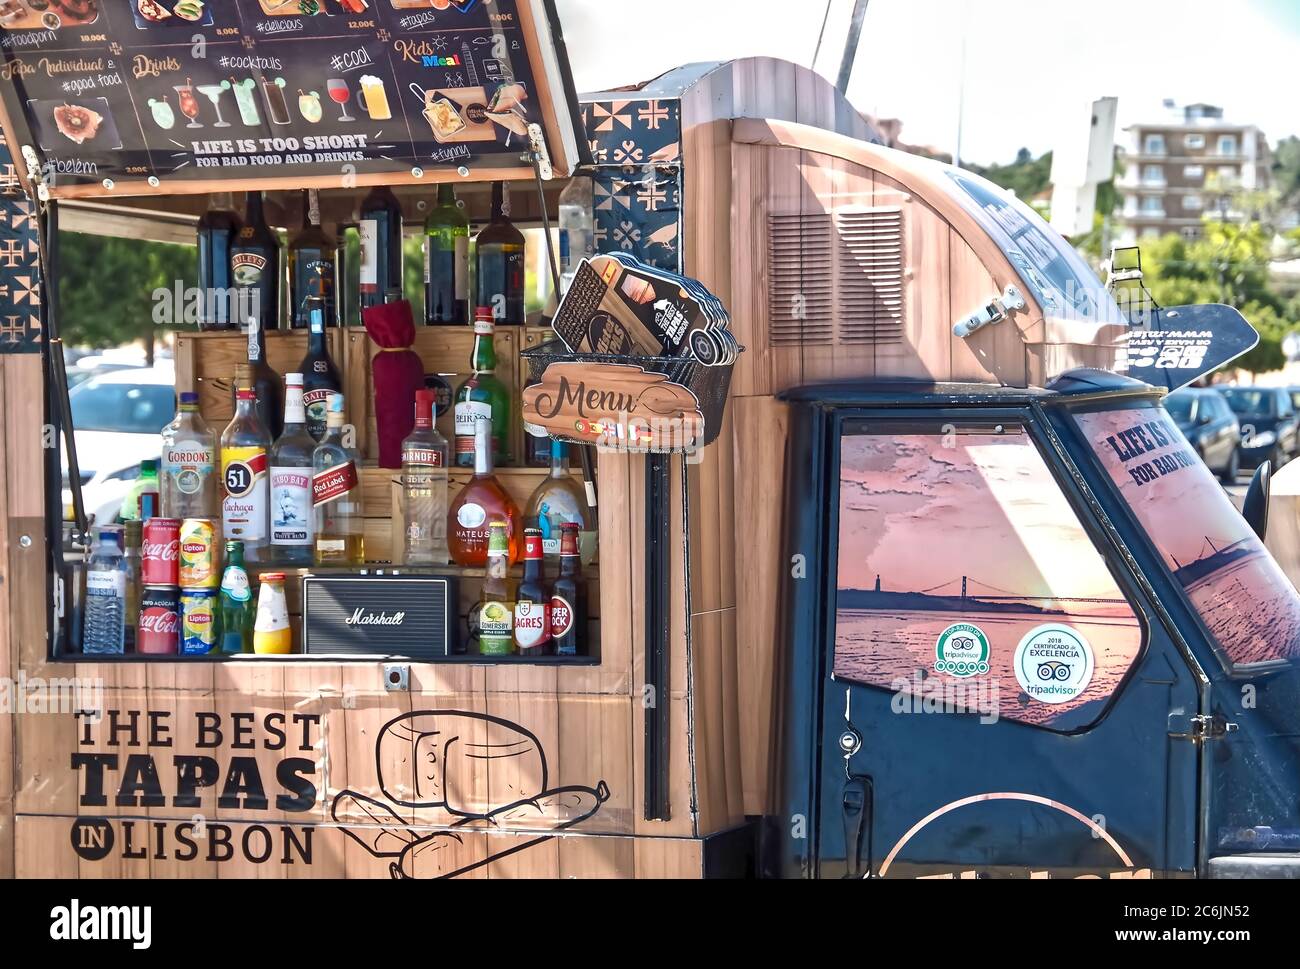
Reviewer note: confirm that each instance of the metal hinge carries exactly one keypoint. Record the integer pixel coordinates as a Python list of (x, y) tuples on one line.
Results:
[(996, 310), (1205, 727)]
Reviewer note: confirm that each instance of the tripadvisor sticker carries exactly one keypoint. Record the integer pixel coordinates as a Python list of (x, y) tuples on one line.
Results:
[(1053, 663), (961, 650)]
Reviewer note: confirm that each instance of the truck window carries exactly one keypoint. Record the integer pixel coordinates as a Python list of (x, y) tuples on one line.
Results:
[(1243, 597), (963, 570)]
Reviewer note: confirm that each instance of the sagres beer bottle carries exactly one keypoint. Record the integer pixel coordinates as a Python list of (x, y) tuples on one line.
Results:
[(532, 603)]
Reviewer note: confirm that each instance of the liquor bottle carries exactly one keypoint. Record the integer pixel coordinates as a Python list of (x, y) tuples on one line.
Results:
[(320, 378), (336, 495), (189, 486), (145, 483), (495, 611), (537, 443), (235, 609), (569, 598), (293, 522), (481, 501), (559, 499), (133, 532), (532, 620), (424, 483), (380, 231), (482, 395), (446, 261), (499, 262), (311, 266), (217, 230), (266, 382), (105, 611), (255, 266), (244, 507)]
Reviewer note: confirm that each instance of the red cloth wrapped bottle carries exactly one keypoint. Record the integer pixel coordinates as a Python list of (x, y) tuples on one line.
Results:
[(396, 374)]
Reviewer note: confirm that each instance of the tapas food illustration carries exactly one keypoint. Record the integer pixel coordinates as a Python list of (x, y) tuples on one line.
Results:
[(60, 124), (170, 13), (47, 14), (469, 114), (460, 6), (310, 8)]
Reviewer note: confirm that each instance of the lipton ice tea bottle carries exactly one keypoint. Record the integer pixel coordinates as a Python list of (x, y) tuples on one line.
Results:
[(271, 632)]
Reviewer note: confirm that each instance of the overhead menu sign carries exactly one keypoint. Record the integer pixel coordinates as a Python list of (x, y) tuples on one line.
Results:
[(174, 95), (1174, 346)]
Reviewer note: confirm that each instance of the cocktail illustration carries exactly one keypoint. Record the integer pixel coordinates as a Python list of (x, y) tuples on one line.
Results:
[(163, 115), (188, 103), (276, 105), (213, 93), (309, 106), (246, 99)]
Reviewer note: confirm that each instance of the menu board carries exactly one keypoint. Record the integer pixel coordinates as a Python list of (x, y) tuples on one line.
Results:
[(300, 91)]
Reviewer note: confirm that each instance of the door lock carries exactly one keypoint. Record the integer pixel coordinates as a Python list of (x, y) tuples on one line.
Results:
[(850, 742)]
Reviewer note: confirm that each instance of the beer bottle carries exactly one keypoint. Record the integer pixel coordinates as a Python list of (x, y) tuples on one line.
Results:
[(569, 597), (495, 616), (236, 606), (532, 604)]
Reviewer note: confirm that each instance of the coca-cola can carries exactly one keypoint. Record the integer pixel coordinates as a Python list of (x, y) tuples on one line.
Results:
[(160, 549), (158, 632)]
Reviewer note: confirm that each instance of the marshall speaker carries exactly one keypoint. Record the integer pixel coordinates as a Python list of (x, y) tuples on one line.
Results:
[(411, 616)]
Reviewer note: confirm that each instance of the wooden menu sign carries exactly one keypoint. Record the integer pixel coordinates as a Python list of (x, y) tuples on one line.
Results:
[(118, 97), (614, 405)]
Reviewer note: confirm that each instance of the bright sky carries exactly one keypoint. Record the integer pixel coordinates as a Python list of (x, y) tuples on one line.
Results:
[(1025, 59)]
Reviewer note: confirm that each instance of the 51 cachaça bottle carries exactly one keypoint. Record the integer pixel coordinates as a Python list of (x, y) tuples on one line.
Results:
[(424, 486), (482, 395), (336, 495), (244, 507), (293, 523)]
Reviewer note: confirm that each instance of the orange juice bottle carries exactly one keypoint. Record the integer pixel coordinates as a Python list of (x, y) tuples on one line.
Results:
[(271, 632)]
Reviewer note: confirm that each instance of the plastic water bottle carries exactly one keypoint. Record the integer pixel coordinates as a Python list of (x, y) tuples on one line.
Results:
[(105, 610)]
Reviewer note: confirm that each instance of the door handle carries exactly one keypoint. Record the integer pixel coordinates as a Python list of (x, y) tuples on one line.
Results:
[(857, 808)]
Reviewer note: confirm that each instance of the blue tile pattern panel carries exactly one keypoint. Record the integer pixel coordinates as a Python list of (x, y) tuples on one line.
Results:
[(20, 289)]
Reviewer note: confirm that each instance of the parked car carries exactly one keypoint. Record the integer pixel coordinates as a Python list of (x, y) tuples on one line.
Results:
[(1210, 427), (118, 417), (1268, 424)]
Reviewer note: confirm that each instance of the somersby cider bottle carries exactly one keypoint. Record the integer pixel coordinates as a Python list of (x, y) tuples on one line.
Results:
[(495, 615)]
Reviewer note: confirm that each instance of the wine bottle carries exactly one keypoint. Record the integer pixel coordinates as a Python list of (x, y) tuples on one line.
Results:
[(217, 230), (380, 231), (499, 263), (446, 261)]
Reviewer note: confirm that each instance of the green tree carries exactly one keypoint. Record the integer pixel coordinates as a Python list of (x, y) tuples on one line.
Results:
[(107, 287)]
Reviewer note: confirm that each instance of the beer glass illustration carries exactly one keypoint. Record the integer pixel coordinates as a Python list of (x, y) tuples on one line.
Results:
[(374, 98), (246, 99), (188, 103), (337, 89), (163, 115), (213, 93), (277, 108)]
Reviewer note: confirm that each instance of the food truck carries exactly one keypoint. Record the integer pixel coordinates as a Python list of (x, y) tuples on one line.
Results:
[(901, 577)]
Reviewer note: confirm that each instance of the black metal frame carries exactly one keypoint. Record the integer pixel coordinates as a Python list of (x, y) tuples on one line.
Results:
[(658, 506)]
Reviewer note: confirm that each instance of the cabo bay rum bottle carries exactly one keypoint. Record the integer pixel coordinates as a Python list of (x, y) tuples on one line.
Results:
[(292, 519)]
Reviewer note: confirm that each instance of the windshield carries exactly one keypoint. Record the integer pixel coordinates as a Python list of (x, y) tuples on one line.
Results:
[(1058, 278), (1247, 400), (1248, 605), (1179, 407), (127, 408)]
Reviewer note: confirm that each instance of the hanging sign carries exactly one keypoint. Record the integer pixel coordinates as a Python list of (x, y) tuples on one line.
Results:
[(1178, 345), (111, 94)]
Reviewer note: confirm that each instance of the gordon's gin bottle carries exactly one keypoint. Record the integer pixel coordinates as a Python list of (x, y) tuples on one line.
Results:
[(189, 482)]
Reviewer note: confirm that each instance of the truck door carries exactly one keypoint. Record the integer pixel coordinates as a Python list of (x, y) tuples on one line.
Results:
[(997, 701)]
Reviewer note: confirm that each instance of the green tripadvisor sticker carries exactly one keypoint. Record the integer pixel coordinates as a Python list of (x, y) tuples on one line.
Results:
[(962, 650)]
